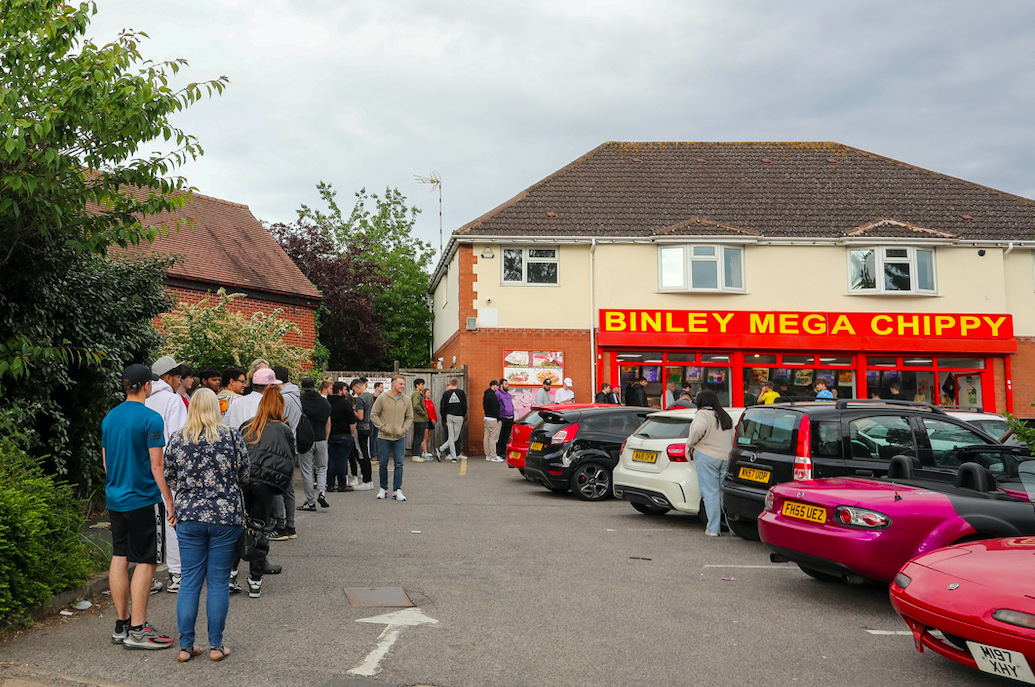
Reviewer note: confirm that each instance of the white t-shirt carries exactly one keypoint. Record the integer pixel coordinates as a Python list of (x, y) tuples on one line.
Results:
[(563, 395)]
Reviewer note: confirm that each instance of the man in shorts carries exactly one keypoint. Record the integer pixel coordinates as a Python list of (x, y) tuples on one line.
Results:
[(132, 443)]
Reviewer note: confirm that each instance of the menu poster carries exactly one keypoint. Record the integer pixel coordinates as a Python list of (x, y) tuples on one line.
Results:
[(652, 373), (693, 375), (759, 375), (532, 368)]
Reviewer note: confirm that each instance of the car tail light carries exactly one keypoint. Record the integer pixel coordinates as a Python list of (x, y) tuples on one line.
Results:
[(676, 453), (903, 580), (565, 435), (860, 517), (622, 450), (770, 500), (1017, 618), (803, 456)]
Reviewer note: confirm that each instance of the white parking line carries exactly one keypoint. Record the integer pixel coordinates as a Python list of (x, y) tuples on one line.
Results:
[(903, 633), (754, 567)]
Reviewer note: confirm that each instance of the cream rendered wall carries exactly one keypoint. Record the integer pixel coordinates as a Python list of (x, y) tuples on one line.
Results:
[(792, 278), (447, 304), (561, 306), (1020, 294)]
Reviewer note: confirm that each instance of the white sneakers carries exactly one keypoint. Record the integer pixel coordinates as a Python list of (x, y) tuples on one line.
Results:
[(397, 494), (365, 486), (420, 459), (427, 457), (494, 459), (353, 481)]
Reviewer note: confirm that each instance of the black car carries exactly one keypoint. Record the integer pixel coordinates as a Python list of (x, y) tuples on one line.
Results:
[(801, 441), (578, 449)]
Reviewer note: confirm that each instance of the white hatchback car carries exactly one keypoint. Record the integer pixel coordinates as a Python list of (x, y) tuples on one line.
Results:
[(654, 473), (991, 424)]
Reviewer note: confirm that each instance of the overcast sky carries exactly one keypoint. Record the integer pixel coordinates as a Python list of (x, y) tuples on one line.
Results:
[(496, 95)]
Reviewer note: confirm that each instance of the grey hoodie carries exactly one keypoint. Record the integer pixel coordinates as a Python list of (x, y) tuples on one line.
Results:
[(292, 405)]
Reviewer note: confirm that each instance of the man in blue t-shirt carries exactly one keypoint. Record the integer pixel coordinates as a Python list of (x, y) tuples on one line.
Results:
[(132, 441)]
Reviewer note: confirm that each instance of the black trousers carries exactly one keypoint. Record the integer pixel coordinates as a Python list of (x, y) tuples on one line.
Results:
[(258, 499), (363, 454), (418, 438), (507, 424)]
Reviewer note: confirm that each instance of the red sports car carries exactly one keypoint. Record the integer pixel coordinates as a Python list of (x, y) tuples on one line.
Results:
[(979, 597), (518, 445)]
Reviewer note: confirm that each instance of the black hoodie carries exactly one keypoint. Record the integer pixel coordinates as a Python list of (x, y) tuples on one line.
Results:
[(491, 403), (317, 409), (454, 402)]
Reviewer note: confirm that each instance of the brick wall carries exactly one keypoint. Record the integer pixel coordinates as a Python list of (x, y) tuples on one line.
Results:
[(1022, 370), (302, 317)]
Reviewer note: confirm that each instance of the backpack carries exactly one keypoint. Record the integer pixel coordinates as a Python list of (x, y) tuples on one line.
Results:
[(304, 435)]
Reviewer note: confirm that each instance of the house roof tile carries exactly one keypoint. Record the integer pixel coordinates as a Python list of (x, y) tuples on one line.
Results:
[(772, 190), (226, 246)]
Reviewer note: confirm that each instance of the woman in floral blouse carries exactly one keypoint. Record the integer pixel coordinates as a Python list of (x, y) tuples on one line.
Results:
[(206, 463)]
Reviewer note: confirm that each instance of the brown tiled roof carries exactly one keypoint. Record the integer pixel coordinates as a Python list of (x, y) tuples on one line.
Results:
[(771, 190), (226, 246)]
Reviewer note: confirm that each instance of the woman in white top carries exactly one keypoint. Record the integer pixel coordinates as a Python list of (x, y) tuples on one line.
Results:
[(711, 439)]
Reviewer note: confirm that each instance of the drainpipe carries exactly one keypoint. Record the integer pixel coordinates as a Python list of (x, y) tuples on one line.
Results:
[(1009, 249), (592, 326)]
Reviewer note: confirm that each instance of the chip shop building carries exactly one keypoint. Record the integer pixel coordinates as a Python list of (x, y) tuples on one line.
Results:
[(723, 265)]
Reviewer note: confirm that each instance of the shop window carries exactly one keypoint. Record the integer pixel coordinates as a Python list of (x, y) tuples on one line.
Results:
[(891, 269), (530, 265), (835, 360), (964, 363), (700, 268), (758, 359)]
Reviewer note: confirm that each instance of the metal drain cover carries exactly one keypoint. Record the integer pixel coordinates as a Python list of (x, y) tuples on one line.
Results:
[(393, 597)]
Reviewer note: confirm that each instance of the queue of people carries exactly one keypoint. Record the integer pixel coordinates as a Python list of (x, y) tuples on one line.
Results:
[(190, 458)]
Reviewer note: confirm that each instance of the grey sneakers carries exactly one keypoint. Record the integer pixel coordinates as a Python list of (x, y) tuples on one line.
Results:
[(145, 638)]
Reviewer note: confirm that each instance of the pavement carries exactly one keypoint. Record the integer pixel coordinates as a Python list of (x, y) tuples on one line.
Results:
[(528, 588)]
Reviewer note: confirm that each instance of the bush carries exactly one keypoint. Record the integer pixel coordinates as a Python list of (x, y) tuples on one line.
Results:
[(42, 552)]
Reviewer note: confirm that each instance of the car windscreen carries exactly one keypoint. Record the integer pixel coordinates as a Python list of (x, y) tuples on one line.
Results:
[(664, 428), (1014, 473), (768, 429), (994, 428)]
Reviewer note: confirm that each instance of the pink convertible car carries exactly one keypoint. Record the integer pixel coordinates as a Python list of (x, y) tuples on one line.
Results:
[(862, 530)]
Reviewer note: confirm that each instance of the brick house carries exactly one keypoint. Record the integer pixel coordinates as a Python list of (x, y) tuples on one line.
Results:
[(721, 265), (228, 247)]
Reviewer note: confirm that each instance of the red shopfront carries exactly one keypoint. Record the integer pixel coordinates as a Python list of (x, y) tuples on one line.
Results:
[(942, 358)]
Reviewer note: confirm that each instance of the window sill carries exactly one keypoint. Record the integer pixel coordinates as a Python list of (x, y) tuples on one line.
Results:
[(514, 283), (702, 292), (894, 294)]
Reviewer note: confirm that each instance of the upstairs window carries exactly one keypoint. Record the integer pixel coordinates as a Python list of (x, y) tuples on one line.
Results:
[(530, 265), (700, 268), (891, 269)]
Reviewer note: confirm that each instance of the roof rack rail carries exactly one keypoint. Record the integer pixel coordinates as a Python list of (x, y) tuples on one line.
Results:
[(842, 403), (965, 409)]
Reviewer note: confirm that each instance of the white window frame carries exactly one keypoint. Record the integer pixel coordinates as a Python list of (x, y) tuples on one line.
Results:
[(689, 257), (881, 258), (525, 259)]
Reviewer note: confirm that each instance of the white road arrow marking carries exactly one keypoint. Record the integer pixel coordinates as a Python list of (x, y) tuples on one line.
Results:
[(409, 617)]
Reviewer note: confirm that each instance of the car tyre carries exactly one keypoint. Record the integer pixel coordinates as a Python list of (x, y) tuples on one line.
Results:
[(591, 482), (817, 575), (648, 509), (745, 529)]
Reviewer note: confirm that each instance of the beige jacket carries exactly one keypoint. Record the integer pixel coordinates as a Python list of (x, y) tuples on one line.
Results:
[(392, 416), (707, 437)]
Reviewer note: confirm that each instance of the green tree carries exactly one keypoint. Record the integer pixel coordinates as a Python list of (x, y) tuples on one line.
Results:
[(73, 117), (385, 235)]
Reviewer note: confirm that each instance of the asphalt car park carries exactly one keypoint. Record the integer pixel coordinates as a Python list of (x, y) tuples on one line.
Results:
[(528, 588)]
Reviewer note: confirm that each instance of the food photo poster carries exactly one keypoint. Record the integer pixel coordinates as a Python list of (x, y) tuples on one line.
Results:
[(532, 368)]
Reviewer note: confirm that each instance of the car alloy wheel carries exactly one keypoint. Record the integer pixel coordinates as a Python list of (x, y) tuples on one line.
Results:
[(591, 482)]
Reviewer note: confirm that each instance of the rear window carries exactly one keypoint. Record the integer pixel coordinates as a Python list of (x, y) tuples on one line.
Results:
[(532, 419), (618, 424), (664, 428), (768, 430)]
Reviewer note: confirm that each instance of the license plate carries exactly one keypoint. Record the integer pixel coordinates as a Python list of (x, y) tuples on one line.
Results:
[(1002, 662), (755, 475), (645, 456), (515, 454), (804, 512), (537, 446)]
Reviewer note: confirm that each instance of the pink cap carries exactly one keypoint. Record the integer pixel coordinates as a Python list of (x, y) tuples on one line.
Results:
[(265, 377)]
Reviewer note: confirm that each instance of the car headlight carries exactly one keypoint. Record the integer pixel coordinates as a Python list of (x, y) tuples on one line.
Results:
[(1017, 618)]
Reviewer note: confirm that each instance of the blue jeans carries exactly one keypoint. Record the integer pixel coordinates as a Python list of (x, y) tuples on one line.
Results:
[(710, 473), (339, 448), (206, 553), (397, 449)]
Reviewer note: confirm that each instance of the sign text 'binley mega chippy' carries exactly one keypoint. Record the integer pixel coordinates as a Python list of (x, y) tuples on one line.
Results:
[(841, 330)]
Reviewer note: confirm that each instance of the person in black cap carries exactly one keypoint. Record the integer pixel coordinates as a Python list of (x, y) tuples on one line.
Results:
[(318, 410), (492, 427), (139, 501), (542, 397)]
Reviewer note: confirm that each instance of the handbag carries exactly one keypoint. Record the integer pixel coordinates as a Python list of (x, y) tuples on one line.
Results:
[(253, 543)]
